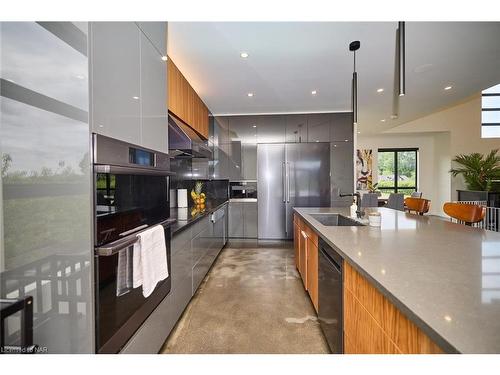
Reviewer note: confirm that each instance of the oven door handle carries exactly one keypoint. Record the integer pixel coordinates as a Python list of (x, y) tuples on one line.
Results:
[(116, 246), (118, 169)]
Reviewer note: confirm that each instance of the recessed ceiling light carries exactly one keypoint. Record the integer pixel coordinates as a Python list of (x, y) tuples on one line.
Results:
[(334, 145), (359, 132), (250, 94), (244, 55), (346, 140), (254, 126), (164, 58), (447, 318), (135, 97), (380, 90), (448, 88), (314, 92), (383, 120), (317, 141)]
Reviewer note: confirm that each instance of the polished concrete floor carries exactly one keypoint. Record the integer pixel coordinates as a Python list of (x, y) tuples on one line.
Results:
[(252, 301)]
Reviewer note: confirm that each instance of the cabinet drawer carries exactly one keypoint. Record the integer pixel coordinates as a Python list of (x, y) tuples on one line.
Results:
[(182, 281), (311, 234), (181, 240), (201, 268)]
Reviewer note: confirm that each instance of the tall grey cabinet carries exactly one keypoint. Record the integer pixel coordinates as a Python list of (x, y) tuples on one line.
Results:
[(129, 82)]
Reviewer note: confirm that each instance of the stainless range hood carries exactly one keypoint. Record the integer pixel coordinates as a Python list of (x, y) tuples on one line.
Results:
[(185, 142)]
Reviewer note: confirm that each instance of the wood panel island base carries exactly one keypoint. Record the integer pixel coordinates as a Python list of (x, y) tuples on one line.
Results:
[(372, 324)]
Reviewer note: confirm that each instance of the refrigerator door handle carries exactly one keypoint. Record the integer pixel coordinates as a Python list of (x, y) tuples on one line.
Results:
[(287, 182), (283, 180)]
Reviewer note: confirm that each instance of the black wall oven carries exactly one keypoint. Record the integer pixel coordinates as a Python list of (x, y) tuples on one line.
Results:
[(131, 187)]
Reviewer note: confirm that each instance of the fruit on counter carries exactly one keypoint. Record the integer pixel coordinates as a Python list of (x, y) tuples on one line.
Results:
[(193, 194), (197, 196)]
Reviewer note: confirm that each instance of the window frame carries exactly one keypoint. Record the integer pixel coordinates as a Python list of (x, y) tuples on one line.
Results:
[(496, 109), (395, 152)]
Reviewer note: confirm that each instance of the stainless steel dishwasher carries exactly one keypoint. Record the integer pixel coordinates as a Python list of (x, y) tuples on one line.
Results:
[(331, 297)]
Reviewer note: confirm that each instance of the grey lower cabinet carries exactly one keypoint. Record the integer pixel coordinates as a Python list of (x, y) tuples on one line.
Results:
[(235, 220), (243, 220), (193, 251)]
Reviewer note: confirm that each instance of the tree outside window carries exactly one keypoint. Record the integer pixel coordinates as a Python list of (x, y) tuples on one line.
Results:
[(397, 171)]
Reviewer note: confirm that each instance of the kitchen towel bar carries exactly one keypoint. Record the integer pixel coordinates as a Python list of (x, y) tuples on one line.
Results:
[(116, 246)]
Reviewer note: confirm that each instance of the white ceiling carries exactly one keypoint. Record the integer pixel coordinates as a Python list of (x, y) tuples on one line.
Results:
[(289, 59)]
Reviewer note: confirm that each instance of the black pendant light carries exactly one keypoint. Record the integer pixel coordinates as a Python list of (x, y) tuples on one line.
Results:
[(354, 46), (401, 59)]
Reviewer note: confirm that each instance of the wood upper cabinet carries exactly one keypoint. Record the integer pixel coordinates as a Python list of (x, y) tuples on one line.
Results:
[(184, 102)]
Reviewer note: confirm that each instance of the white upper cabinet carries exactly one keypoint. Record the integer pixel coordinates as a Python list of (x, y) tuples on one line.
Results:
[(153, 99), (129, 82), (115, 80), (157, 34)]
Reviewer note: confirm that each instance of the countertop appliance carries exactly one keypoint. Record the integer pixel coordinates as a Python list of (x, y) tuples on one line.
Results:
[(290, 175), (131, 187), (242, 190), (330, 291)]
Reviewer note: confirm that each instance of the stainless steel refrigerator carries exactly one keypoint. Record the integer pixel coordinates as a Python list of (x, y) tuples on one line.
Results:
[(290, 175)]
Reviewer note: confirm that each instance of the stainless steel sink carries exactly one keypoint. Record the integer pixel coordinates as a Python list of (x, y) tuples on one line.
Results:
[(335, 220)]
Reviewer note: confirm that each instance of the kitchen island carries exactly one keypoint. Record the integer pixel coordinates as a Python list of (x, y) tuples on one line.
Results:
[(442, 277)]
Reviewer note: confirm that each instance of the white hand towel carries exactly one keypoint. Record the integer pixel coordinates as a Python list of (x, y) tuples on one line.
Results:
[(150, 259)]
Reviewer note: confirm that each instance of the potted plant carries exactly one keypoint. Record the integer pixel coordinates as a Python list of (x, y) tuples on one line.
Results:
[(479, 171)]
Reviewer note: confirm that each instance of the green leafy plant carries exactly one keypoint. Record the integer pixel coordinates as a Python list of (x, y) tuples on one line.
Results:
[(479, 171)]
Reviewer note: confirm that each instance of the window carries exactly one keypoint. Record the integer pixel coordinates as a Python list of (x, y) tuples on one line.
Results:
[(490, 113), (397, 170)]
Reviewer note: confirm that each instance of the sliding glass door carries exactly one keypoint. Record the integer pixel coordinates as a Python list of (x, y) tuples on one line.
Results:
[(397, 170)]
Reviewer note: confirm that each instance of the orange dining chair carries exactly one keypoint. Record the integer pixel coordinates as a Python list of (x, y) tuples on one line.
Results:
[(419, 206), (467, 213)]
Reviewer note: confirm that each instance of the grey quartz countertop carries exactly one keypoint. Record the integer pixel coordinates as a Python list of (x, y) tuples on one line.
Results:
[(184, 218), (444, 276)]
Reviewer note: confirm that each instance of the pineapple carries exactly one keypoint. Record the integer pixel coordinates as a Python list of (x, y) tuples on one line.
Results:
[(197, 187), (197, 196)]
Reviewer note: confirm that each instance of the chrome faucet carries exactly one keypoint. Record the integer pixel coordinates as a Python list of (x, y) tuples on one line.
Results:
[(359, 211)]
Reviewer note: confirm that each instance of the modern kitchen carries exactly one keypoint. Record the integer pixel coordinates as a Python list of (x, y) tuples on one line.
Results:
[(248, 188)]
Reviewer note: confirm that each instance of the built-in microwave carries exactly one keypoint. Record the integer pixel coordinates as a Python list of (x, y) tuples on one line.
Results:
[(243, 189)]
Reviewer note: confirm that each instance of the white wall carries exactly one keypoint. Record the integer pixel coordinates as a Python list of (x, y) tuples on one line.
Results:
[(426, 158), (463, 123), (440, 137)]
